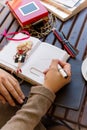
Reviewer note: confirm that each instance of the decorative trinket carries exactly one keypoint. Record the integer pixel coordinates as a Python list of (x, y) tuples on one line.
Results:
[(22, 54)]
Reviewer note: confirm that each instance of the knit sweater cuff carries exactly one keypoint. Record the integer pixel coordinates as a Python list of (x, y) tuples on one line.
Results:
[(43, 91)]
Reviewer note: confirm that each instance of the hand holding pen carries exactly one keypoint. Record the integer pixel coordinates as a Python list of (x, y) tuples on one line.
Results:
[(62, 71), (54, 79)]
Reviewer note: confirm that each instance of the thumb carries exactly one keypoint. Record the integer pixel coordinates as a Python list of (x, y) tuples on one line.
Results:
[(54, 64)]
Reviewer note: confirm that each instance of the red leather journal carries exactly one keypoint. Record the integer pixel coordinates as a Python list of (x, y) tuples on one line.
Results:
[(27, 11)]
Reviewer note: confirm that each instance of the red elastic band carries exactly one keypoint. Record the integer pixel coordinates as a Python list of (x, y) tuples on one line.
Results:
[(5, 34)]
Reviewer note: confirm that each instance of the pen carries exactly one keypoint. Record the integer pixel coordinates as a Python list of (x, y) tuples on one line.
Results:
[(72, 51), (62, 71), (61, 39)]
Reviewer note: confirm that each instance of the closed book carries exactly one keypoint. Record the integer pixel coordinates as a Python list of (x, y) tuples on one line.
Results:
[(27, 11), (64, 12)]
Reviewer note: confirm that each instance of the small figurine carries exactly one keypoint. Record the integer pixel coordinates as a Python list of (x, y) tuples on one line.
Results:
[(22, 53)]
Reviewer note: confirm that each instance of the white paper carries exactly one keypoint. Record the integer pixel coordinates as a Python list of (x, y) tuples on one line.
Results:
[(39, 59), (69, 3)]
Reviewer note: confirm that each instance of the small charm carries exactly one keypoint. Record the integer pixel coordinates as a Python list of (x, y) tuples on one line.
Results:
[(22, 54)]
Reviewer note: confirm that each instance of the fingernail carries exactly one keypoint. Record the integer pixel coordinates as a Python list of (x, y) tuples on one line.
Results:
[(23, 96), (13, 104), (21, 101)]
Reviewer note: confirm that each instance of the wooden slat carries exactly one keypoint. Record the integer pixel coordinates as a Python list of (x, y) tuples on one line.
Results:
[(1, 8), (67, 27), (77, 28), (82, 43), (84, 116), (6, 24), (13, 28), (73, 115), (59, 112), (3, 15)]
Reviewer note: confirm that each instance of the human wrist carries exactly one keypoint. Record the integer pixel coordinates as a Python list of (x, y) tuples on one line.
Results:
[(47, 86), (43, 90)]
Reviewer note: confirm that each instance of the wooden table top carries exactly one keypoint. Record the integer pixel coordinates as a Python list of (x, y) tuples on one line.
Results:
[(76, 32)]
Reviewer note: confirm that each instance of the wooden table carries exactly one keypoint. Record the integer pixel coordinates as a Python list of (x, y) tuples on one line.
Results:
[(75, 30)]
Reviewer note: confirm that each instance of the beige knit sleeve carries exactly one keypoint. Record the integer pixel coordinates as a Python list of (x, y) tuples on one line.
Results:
[(30, 114)]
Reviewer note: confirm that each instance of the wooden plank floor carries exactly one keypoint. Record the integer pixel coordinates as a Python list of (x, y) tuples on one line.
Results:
[(75, 30)]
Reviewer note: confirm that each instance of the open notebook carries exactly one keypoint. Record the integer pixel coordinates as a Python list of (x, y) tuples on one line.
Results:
[(39, 58), (72, 95)]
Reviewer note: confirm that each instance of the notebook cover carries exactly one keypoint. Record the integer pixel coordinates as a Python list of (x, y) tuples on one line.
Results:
[(70, 96), (33, 11)]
